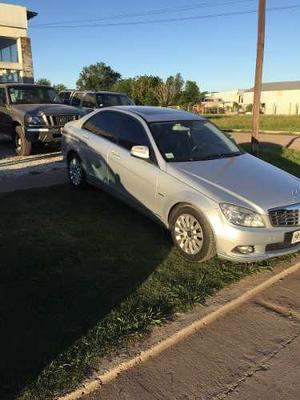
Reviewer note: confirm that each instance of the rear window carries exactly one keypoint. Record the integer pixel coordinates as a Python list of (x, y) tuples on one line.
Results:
[(109, 100)]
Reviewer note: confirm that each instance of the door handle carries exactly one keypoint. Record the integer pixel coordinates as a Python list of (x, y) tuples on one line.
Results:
[(115, 154)]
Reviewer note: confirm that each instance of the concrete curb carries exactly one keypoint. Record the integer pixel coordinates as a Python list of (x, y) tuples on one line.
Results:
[(177, 337)]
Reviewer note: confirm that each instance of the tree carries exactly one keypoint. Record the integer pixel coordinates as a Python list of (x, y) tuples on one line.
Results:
[(97, 77), (165, 94), (177, 83), (43, 81), (191, 93), (249, 108), (124, 86), (60, 87), (143, 89)]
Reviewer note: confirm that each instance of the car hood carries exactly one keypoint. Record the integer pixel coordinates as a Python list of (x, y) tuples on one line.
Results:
[(244, 180), (37, 109)]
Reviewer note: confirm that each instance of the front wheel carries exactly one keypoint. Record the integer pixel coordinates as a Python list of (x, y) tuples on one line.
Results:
[(192, 234), (23, 146), (76, 172)]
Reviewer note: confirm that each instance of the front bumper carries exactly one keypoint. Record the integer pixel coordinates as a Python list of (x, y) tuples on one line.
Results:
[(43, 134), (267, 242)]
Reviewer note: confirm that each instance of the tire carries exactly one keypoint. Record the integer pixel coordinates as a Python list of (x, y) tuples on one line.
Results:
[(76, 174), (192, 234), (23, 146)]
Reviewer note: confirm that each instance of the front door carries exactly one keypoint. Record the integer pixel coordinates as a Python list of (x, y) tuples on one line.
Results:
[(134, 178)]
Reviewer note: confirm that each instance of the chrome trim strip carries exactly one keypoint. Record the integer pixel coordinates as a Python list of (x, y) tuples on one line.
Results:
[(37, 130)]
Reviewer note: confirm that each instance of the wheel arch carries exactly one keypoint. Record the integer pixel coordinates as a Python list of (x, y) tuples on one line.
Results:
[(180, 204)]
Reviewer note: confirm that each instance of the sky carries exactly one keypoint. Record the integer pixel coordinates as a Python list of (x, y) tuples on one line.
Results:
[(218, 53)]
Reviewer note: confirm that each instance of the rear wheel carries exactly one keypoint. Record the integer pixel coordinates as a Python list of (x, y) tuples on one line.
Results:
[(23, 146), (192, 234), (76, 172)]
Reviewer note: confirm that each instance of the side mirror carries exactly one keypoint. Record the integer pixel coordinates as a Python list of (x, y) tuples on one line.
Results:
[(140, 152)]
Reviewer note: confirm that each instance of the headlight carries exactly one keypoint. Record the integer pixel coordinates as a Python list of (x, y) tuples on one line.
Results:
[(242, 216), (34, 120)]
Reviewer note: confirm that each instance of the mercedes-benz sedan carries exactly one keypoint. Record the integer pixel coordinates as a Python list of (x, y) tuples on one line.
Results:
[(183, 171)]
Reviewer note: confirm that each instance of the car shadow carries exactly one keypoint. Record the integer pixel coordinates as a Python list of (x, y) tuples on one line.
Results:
[(81, 255)]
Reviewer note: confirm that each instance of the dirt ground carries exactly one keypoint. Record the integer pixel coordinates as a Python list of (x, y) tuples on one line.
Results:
[(44, 168)]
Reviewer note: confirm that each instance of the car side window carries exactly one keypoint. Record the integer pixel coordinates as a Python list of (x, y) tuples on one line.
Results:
[(76, 100), (89, 100), (131, 133), (103, 124), (2, 96)]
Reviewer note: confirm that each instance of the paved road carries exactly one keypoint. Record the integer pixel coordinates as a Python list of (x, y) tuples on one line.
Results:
[(288, 141), (252, 353)]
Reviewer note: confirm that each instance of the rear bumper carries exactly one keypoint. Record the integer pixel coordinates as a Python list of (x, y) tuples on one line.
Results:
[(44, 134)]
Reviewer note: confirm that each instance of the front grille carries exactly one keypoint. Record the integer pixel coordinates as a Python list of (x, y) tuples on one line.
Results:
[(59, 120), (285, 216)]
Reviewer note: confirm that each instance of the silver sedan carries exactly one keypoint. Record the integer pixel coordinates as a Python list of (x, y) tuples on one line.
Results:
[(180, 169)]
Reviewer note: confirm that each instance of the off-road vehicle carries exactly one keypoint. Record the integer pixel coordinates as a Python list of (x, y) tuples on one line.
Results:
[(33, 113)]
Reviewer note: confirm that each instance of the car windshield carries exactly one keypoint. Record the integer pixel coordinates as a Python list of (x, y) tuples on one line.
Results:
[(180, 141), (108, 100), (33, 95)]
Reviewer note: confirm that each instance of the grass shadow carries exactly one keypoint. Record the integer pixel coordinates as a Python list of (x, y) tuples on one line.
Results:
[(63, 269)]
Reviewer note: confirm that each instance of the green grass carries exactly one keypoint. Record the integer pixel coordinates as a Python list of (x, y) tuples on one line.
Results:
[(288, 124), (83, 274)]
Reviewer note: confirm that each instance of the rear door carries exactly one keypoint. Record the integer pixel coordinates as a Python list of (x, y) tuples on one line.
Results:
[(97, 137)]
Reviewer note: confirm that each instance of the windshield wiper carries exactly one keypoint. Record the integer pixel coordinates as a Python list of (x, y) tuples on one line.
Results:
[(219, 155)]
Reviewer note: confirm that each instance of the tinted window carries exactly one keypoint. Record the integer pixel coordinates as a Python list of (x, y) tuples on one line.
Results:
[(89, 100), (33, 95), (103, 124), (2, 96), (119, 128), (65, 95), (109, 100), (76, 100), (131, 133)]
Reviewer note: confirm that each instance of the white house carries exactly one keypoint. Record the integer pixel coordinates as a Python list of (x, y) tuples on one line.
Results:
[(276, 98)]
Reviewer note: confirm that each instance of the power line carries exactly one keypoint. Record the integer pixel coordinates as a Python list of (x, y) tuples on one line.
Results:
[(157, 21), (188, 7)]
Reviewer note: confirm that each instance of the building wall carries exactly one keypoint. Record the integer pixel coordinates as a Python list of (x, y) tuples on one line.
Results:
[(13, 25), (230, 96), (286, 102)]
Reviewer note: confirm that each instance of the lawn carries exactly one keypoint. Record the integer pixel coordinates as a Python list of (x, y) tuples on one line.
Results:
[(288, 124), (83, 274)]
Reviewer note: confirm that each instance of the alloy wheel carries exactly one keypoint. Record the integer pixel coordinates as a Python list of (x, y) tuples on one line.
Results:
[(188, 234)]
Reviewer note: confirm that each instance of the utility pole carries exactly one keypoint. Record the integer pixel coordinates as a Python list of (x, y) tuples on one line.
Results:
[(258, 74)]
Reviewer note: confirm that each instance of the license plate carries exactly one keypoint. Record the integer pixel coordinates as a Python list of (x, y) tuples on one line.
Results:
[(296, 237)]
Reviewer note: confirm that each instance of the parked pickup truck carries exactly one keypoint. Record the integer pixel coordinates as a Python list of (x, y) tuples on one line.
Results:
[(33, 113)]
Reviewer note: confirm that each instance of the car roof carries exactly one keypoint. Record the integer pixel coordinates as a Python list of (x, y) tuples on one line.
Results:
[(8, 84), (160, 114), (104, 92)]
